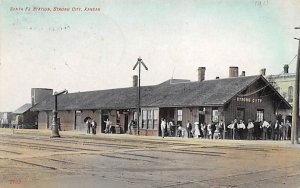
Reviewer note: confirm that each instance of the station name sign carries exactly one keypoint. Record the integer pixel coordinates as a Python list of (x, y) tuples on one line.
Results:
[(248, 100)]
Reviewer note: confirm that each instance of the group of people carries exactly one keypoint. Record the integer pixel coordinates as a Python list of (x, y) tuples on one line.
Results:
[(91, 125), (203, 130), (197, 130), (260, 130), (168, 128), (236, 130)]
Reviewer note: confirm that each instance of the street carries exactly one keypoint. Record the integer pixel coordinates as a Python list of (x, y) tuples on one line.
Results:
[(30, 158)]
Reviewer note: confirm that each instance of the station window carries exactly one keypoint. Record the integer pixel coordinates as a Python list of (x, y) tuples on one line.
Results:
[(215, 115), (144, 120), (179, 116), (150, 119), (241, 113), (259, 115), (155, 119)]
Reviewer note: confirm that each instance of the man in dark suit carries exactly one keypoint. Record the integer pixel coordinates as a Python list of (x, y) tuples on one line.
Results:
[(276, 130)]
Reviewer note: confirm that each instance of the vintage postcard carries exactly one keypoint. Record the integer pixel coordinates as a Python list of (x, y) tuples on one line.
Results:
[(156, 93)]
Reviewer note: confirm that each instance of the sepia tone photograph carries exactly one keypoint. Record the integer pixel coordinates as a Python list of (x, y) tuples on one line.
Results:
[(156, 93)]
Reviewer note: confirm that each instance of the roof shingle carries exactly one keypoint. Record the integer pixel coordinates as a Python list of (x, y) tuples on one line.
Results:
[(206, 93)]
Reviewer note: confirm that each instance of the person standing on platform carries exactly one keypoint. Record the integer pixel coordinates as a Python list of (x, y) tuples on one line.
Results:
[(179, 131), (168, 131), (282, 131), (257, 130), (265, 127), (288, 130), (88, 125), (189, 128), (276, 130), (230, 128), (130, 125), (107, 126), (213, 129), (241, 129), (197, 130), (250, 128), (163, 127), (209, 135), (221, 128), (172, 128), (235, 129), (94, 126), (204, 130)]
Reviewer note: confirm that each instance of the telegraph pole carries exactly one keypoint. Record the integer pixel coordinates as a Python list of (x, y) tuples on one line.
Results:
[(139, 62), (55, 129), (295, 115)]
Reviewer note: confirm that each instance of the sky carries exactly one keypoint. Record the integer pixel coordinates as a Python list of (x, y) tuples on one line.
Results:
[(95, 50)]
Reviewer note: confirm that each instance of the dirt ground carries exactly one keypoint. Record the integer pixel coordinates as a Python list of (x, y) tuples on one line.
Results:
[(30, 158)]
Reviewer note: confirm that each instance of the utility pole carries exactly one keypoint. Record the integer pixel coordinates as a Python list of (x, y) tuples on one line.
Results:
[(139, 62), (295, 115), (55, 129)]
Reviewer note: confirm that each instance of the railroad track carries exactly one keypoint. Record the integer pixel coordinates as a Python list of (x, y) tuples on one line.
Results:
[(220, 181), (159, 146)]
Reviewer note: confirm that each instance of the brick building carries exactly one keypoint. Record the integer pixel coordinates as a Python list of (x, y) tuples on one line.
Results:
[(244, 97)]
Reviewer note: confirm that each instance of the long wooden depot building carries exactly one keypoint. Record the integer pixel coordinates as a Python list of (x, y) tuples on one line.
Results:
[(240, 97)]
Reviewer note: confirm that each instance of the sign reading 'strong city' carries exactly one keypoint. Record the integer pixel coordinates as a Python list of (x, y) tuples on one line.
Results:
[(249, 100)]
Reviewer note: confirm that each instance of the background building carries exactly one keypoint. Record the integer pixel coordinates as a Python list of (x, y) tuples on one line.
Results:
[(24, 118), (284, 83), (5, 119)]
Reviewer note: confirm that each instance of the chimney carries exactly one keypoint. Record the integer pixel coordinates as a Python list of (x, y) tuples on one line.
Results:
[(233, 72), (263, 72), (243, 73), (286, 69), (201, 74), (135, 80)]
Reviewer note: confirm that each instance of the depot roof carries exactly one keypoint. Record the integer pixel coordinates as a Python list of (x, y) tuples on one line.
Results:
[(187, 94), (23, 108)]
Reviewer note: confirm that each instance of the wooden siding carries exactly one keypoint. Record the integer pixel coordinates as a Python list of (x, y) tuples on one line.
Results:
[(189, 114), (268, 104), (66, 120)]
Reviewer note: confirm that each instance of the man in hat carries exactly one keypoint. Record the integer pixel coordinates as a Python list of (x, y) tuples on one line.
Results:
[(221, 129), (88, 125), (163, 127), (276, 130), (197, 130), (172, 128), (250, 128), (265, 127), (94, 126), (107, 126), (189, 129)]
